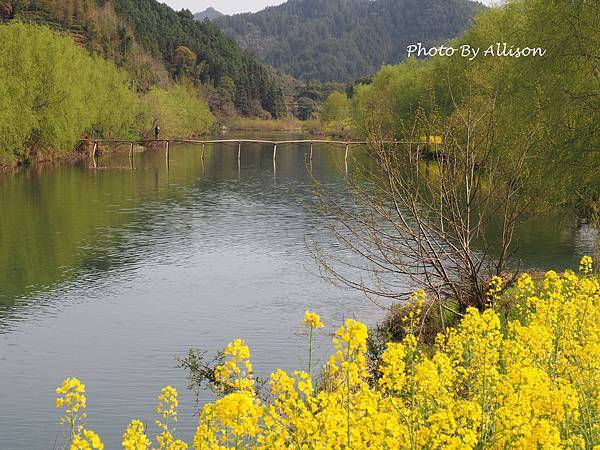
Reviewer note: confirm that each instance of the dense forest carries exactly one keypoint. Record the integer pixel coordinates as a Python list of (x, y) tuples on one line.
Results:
[(214, 58), (157, 45), (342, 40)]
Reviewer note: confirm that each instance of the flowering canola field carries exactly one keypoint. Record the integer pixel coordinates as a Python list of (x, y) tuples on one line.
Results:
[(528, 379)]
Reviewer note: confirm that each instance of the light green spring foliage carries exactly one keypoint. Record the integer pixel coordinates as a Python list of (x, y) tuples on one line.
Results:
[(54, 92), (553, 100), (336, 113), (178, 111), (391, 101)]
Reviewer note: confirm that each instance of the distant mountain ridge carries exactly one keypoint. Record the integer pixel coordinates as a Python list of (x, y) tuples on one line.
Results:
[(342, 40), (209, 13)]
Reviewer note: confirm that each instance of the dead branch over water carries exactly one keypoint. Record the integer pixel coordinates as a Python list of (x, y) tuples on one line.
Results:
[(426, 224)]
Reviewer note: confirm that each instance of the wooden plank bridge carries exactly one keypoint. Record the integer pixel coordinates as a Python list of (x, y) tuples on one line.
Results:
[(203, 143)]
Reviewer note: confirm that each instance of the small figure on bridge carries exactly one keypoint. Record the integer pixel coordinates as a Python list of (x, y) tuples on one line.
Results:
[(156, 132)]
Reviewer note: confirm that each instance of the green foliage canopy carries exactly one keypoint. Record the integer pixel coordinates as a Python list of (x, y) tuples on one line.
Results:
[(337, 111), (54, 93), (555, 98), (179, 111)]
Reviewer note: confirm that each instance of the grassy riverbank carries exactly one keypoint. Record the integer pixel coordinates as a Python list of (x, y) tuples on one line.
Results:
[(291, 125)]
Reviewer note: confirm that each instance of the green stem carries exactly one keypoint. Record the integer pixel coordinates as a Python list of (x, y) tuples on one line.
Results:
[(310, 336), (348, 394)]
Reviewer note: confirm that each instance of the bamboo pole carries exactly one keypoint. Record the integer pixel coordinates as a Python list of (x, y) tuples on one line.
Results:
[(254, 141), (131, 155), (94, 153)]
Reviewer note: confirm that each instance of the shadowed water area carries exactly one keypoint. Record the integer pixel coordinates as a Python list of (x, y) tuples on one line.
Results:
[(109, 274)]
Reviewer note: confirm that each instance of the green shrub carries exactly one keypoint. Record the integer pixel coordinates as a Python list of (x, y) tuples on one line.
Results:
[(179, 111)]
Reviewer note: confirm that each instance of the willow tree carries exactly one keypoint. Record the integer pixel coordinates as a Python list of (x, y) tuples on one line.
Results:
[(54, 93)]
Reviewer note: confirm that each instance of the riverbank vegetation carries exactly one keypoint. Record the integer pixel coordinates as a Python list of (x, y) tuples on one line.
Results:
[(520, 373), (289, 124), (55, 93), (178, 110), (507, 139), (336, 114), (555, 96), (312, 127)]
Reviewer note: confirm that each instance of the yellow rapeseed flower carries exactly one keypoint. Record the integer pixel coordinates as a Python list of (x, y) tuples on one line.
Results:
[(585, 265), (135, 438), (313, 320), (529, 383)]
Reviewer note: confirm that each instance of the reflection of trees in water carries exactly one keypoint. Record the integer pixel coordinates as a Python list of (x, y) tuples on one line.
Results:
[(72, 223), (69, 225)]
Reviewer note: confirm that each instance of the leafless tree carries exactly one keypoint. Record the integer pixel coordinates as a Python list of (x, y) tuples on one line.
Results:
[(437, 213)]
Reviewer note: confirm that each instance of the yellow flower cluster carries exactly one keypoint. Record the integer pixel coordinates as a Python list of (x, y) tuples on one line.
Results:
[(529, 383), (71, 396), (313, 320), (86, 440), (494, 289), (135, 437), (585, 265), (236, 372), (414, 316), (167, 410)]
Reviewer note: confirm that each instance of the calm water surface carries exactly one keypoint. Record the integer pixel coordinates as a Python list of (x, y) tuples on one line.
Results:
[(110, 274)]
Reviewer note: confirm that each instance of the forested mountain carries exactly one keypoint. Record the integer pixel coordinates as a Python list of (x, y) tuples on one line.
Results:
[(156, 44), (217, 58), (209, 13), (342, 40)]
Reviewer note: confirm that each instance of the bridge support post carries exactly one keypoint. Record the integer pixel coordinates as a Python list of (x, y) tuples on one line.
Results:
[(346, 155), (95, 153), (131, 155), (202, 154), (311, 151), (239, 150), (274, 152), (167, 151)]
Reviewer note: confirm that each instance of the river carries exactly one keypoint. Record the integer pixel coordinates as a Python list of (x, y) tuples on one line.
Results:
[(109, 274)]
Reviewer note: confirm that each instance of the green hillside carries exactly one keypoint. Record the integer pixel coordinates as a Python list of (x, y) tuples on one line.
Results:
[(157, 45), (342, 40)]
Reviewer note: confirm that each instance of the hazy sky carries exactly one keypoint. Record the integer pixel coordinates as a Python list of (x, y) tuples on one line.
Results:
[(233, 6)]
